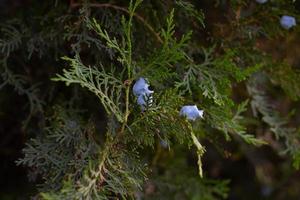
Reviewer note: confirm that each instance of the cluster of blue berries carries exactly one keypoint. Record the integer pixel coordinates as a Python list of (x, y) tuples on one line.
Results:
[(144, 98), (286, 21), (142, 92)]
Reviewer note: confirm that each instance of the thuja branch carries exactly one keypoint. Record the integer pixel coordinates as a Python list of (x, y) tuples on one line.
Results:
[(200, 149), (108, 5), (127, 111)]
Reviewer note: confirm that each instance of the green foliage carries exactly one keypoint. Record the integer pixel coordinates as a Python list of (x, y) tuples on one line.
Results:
[(161, 120), (213, 76), (231, 123), (96, 142), (11, 39), (169, 184), (278, 125), (287, 78), (63, 149), (162, 60), (105, 85), (20, 85), (190, 9)]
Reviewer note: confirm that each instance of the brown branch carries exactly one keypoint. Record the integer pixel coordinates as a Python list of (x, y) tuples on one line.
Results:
[(107, 5)]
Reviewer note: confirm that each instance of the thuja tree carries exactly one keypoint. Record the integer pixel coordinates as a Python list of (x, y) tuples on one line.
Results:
[(128, 100)]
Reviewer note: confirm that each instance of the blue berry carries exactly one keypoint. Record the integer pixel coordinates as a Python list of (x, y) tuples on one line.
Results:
[(261, 1), (164, 144), (141, 87), (287, 22), (191, 112), (142, 92)]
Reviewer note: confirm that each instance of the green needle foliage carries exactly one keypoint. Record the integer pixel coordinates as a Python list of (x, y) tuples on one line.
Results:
[(105, 85), (92, 139)]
